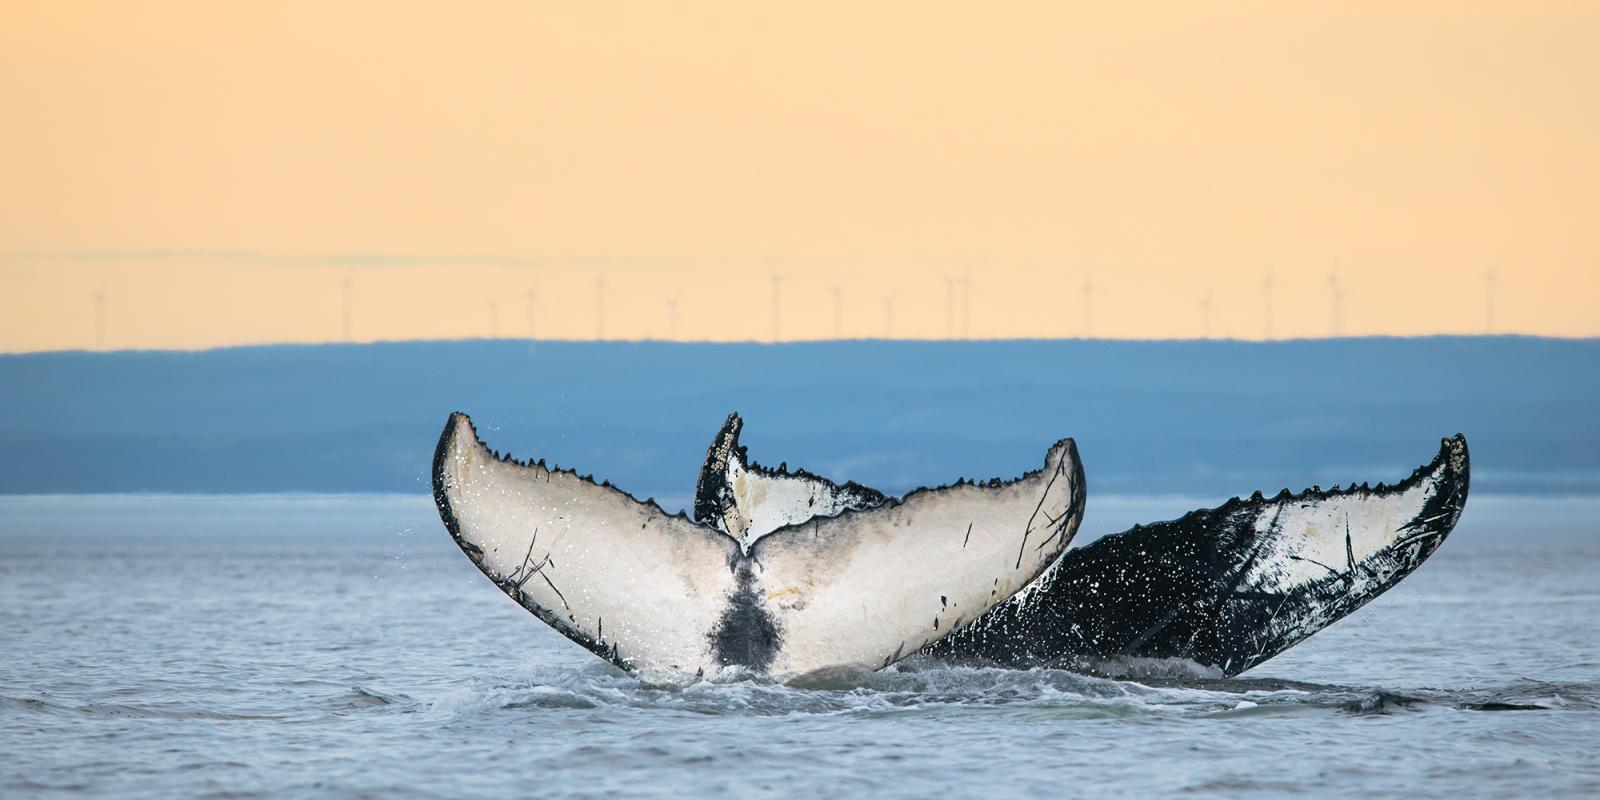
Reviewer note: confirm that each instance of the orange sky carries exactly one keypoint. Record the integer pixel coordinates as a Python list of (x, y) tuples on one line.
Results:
[(217, 170)]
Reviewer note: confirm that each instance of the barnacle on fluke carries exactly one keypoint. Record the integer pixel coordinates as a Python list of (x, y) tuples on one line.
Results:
[(788, 574), (670, 596)]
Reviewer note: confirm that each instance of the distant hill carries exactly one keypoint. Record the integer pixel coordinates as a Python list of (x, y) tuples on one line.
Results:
[(1193, 417)]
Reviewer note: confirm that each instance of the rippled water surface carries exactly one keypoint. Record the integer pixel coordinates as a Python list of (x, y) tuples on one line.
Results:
[(334, 646)]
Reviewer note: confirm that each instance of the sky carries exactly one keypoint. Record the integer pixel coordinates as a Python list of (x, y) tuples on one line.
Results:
[(194, 174)]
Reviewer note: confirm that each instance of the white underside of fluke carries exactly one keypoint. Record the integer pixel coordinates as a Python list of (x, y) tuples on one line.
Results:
[(669, 597), (748, 501), (1306, 540)]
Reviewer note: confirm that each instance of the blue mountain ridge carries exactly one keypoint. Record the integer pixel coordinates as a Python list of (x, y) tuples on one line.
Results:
[(1150, 417)]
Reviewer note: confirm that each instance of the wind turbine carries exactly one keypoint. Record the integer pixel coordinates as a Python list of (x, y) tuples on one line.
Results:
[(1205, 315), (672, 318), (888, 317)]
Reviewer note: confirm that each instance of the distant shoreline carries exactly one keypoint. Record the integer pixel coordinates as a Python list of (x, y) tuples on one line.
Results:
[(410, 523), (1287, 340), (1151, 417)]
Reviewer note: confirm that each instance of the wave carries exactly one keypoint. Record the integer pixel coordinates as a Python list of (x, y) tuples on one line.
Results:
[(1149, 689), (1145, 688)]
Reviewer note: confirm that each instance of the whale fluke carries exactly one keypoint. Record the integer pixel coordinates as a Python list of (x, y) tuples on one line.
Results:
[(664, 595), (749, 501), (1227, 587)]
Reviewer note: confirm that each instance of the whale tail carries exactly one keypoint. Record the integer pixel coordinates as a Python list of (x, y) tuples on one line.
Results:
[(1227, 587), (664, 595)]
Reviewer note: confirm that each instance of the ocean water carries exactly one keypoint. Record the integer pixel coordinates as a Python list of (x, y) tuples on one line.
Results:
[(341, 646)]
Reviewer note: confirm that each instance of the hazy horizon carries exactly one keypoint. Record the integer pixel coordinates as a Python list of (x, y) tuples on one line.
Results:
[(759, 341)]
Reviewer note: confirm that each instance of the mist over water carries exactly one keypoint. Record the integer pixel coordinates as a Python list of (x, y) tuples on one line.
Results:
[(341, 645)]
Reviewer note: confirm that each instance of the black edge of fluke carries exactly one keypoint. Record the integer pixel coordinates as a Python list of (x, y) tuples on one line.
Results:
[(713, 494), (1080, 489), (711, 490), (1178, 589), (441, 499)]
